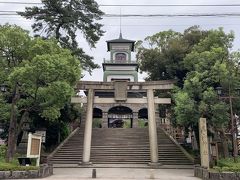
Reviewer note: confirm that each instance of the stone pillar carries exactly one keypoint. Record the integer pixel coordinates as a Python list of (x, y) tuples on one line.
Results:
[(157, 117), (88, 128), (203, 139), (104, 120), (152, 128), (135, 120)]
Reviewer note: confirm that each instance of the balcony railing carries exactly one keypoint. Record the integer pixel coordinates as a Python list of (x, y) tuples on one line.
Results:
[(119, 62)]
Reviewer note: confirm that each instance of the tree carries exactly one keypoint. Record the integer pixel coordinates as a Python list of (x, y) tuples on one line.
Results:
[(200, 61), (62, 19), (40, 77), (165, 51), (209, 66)]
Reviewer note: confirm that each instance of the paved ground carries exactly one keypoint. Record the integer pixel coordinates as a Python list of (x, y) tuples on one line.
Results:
[(122, 173)]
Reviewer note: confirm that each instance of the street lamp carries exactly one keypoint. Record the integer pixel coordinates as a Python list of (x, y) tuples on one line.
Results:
[(3, 88), (233, 124)]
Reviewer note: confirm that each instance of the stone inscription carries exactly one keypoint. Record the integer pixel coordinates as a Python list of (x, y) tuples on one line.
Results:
[(203, 143), (120, 90)]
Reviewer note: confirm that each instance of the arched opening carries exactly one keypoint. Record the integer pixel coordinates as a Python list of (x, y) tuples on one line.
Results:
[(97, 118), (143, 118), (120, 117), (120, 57)]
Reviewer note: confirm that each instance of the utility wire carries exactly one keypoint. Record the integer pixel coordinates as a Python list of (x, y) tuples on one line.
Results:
[(14, 13), (175, 15), (136, 5), (12, 2), (135, 25), (171, 5)]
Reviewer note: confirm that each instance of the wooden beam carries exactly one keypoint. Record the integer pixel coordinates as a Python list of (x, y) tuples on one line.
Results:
[(98, 100)]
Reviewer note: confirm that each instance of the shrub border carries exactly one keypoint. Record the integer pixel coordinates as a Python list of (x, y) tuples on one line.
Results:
[(205, 174), (44, 170)]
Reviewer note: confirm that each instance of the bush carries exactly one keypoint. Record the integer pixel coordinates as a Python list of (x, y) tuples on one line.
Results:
[(142, 123), (127, 124), (3, 150), (13, 167), (228, 164), (97, 123)]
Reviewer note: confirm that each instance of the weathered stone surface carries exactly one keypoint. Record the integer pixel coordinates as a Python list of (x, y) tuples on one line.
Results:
[(196, 170), (228, 176), (206, 175), (203, 140), (200, 172), (45, 170), (33, 174), (214, 175), (238, 175), (18, 174), (5, 174)]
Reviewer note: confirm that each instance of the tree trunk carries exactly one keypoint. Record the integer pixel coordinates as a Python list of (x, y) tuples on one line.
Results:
[(24, 118), (224, 144), (194, 141), (12, 131)]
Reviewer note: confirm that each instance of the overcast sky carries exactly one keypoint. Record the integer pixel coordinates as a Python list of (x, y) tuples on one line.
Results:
[(138, 28)]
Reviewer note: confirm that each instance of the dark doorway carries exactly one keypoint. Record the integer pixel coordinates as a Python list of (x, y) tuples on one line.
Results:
[(120, 117), (97, 118), (143, 118)]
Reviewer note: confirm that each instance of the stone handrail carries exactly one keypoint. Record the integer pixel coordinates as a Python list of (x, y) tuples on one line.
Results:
[(182, 149), (65, 140)]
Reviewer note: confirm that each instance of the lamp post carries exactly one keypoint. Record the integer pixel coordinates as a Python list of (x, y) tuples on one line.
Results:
[(233, 124), (3, 88)]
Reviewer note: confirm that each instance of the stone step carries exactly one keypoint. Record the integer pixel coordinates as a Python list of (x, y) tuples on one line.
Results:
[(119, 146)]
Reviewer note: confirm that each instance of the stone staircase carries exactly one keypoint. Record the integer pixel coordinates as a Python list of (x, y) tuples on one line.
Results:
[(120, 146)]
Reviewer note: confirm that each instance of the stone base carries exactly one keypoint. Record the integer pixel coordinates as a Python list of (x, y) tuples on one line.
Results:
[(155, 165), (44, 170)]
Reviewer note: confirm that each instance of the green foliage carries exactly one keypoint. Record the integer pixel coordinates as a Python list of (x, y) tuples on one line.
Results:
[(39, 76), (63, 19), (127, 123), (97, 123), (209, 66), (4, 110), (163, 58), (64, 131), (3, 150), (13, 167), (46, 80), (14, 44), (142, 123), (200, 61), (228, 165), (185, 109)]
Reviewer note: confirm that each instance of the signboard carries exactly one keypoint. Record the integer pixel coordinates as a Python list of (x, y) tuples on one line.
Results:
[(34, 147)]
